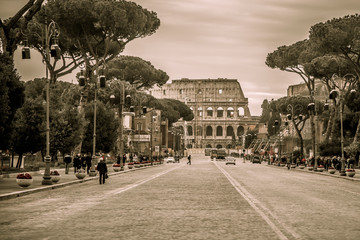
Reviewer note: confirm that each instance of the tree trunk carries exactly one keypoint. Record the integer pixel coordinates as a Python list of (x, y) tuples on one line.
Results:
[(312, 124), (357, 134), (330, 124), (18, 164)]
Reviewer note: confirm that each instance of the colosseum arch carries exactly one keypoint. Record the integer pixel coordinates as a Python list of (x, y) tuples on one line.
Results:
[(209, 131), (229, 131), (219, 131), (240, 131)]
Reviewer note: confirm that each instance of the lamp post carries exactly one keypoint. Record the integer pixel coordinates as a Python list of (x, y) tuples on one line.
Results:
[(341, 86), (121, 122), (52, 32)]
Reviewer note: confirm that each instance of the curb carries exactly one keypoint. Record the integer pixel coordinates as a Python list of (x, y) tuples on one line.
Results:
[(59, 185), (319, 173)]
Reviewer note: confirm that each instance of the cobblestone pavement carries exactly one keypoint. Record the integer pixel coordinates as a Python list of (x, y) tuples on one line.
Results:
[(206, 200)]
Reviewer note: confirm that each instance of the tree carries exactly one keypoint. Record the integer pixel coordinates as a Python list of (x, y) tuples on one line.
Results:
[(139, 73), (106, 129), (340, 36), (265, 115), (295, 108), (91, 32), (294, 59), (11, 98), (28, 125), (10, 29), (330, 69)]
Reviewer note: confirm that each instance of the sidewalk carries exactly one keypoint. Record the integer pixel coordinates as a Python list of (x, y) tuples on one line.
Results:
[(324, 173), (10, 189)]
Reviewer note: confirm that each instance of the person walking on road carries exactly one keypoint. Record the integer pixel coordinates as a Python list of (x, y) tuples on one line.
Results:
[(88, 162), (102, 168), (67, 160), (76, 163), (189, 160)]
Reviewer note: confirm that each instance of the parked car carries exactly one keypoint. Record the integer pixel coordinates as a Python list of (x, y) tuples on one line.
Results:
[(170, 160), (256, 159), (230, 160)]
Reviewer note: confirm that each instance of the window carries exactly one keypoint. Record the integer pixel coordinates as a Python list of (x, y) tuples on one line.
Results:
[(164, 92), (219, 131), (220, 91), (229, 131), (200, 111), (220, 112), (209, 131), (240, 111), (240, 130), (230, 112), (139, 127), (209, 112), (181, 91), (189, 130)]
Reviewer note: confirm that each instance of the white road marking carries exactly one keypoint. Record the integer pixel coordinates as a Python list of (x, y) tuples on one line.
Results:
[(258, 207), (131, 186)]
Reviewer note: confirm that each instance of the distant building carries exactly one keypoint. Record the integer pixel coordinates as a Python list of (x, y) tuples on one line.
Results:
[(221, 113)]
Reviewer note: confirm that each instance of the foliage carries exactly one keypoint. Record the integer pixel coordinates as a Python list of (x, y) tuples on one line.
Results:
[(339, 36), (139, 73), (265, 115), (11, 98), (173, 110), (106, 128), (29, 128), (91, 31)]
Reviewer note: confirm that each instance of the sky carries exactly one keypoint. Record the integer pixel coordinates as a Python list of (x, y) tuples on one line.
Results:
[(200, 39)]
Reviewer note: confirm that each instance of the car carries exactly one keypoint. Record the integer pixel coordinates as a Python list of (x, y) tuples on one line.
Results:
[(170, 160), (230, 160), (256, 159)]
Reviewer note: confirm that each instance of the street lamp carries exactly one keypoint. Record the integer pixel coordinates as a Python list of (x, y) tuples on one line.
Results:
[(122, 100), (52, 32), (341, 86)]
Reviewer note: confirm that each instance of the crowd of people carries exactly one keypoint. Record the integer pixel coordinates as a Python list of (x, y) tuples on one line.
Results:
[(326, 162)]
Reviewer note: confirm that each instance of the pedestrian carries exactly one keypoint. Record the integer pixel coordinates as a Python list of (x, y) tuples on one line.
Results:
[(88, 162), (76, 163), (102, 168), (67, 160), (189, 160), (83, 161), (124, 159)]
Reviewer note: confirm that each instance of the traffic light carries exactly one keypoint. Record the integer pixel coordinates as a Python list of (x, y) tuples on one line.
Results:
[(333, 94), (55, 51), (128, 100), (81, 81), (102, 81), (25, 53)]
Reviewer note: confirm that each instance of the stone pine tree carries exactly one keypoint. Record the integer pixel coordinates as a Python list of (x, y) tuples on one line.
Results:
[(294, 58), (340, 36), (295, 110), (11, 98)]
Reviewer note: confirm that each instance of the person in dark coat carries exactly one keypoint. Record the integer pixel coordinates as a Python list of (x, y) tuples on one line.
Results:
[(88, 162), (67, 160), (76, 163), (189, 160), (102, 168)]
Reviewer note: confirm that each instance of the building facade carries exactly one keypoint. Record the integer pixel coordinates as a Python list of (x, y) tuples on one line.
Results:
[(221, 113)]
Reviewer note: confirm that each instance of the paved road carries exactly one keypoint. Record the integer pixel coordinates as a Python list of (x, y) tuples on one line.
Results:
[(206, 200)]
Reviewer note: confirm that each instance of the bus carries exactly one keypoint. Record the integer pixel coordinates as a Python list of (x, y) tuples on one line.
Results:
[(213, 153)]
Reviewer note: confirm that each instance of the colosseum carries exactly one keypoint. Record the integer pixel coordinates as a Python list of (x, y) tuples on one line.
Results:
[(221, 113)]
